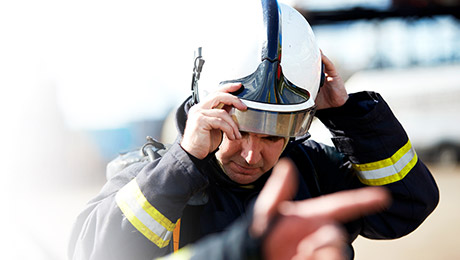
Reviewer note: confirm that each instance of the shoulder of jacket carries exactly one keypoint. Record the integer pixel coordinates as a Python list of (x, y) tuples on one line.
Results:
[(150, 151)]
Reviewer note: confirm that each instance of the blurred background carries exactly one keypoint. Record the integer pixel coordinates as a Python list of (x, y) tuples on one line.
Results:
[(82, 81)]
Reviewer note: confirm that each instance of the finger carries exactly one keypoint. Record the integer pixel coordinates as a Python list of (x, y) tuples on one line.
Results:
[(220, 119), (329, 253), (328, 65), (327, 242), (341, 206), (229, 99), (281, 186), (230, 87), (219, 99)]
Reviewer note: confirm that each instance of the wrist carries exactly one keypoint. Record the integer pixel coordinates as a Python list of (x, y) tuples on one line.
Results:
[(342, 100), (191, 150)]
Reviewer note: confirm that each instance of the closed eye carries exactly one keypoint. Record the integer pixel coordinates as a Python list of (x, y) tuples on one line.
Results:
[(272, 138)]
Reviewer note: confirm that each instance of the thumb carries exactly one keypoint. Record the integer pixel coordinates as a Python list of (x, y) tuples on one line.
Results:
[(281, 186)]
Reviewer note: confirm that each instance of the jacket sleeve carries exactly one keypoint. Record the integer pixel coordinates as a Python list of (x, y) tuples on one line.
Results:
[(379, 153), (233, 243), (136, 212)]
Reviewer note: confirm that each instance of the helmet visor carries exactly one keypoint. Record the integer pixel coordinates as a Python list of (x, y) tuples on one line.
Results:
[(286, 124), (272, 99), (268, 85)]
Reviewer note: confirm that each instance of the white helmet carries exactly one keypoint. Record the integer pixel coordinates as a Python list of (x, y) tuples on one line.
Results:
[(270, 48)]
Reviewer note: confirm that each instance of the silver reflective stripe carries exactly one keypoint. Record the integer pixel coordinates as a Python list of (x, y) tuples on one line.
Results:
[(143, 216), (388, 170)]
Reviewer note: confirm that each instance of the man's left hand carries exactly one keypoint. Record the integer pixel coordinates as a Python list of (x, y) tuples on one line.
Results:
[(333, 92)]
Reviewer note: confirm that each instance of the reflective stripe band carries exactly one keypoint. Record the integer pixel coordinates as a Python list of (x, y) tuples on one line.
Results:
[(143, 216), (388, 170), (176, 236)]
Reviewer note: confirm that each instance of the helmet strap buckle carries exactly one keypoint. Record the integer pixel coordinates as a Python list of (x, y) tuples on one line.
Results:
[(197, 67)]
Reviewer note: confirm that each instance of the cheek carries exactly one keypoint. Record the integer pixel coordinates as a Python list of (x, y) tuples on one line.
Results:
[(227, 149), (272, 153)]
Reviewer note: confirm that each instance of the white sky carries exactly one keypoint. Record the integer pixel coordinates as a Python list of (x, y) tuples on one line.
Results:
[(111, 61)]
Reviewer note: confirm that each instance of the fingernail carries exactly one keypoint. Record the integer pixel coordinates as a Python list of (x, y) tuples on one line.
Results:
[(220, 106)]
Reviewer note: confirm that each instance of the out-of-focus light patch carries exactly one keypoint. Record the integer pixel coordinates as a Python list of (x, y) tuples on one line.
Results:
[(391, 42), (350, 44), (118, 61), (424, 99)]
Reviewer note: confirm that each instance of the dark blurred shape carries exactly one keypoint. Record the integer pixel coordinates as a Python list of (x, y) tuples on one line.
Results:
[(446, 153), (398, 9)]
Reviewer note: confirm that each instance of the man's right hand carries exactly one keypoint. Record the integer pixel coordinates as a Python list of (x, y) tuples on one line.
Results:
[(208, 119)]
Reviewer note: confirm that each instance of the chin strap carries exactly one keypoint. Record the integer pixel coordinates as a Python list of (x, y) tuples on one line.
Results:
[(197, 67)]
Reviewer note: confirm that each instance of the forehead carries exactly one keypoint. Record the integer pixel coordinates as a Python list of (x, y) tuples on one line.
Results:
[(265, 136)]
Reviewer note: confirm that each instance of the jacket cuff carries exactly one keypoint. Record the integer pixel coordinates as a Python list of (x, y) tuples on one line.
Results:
[(358, 107), (367, 132)]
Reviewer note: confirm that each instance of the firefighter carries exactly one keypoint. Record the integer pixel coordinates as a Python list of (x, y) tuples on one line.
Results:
[(253, 101)]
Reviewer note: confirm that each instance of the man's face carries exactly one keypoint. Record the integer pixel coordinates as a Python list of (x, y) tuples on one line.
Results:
[(246, 159)]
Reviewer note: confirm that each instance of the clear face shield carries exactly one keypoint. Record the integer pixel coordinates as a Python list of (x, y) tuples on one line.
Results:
[(275, 105)]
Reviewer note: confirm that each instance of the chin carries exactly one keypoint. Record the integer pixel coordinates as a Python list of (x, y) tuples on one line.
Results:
[(243, 179), (244, 182)]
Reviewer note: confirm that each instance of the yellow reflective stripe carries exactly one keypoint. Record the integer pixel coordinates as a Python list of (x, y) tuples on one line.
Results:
[(385, 162), (140, 226), (388, 170), (393, 178), (143, 216), (153, 212)]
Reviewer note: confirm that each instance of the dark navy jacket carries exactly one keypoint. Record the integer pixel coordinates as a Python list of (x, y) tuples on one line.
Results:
[(135, 214)]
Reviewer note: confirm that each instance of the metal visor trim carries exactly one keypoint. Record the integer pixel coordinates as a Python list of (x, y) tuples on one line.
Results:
[(286, 124)]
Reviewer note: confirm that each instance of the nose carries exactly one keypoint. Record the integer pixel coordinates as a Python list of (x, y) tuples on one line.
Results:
[(251, 149)]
